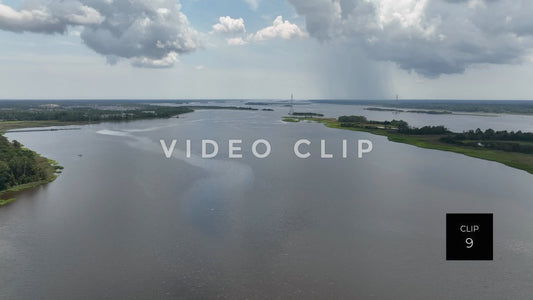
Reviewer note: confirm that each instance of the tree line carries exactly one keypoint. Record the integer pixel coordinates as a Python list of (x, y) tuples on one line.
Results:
[(399, 125), (513, 141), (510, 141), (85, 114), (19, 165)]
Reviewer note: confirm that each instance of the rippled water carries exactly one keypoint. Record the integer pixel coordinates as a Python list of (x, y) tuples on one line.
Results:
[(123, 221)]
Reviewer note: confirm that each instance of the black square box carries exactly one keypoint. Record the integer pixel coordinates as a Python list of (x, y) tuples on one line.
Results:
[(469, 237)]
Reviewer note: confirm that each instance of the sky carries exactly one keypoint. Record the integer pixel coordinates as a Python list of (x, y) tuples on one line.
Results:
[(259, 49)]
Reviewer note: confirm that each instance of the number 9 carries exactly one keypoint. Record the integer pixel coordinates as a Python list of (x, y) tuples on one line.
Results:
[(469, 243)]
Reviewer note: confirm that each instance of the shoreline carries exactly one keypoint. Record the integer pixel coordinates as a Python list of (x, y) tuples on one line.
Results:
[(54, 167), (515, 160), (5, 126)]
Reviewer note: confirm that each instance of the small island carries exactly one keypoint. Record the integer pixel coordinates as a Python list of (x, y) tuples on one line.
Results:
[(429, 112), (514, 149), (306, 114), (384, 109)]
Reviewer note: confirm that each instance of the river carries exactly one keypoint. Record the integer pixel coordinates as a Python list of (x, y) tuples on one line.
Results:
[(124, 221)]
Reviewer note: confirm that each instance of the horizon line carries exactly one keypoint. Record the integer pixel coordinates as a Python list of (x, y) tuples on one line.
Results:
[(255, 99)]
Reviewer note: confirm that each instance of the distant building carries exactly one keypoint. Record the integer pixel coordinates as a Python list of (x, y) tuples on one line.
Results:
[(50, 105)]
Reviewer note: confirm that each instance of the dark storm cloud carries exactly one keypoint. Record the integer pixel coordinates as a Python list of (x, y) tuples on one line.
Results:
[(429, 37), (149, 33)]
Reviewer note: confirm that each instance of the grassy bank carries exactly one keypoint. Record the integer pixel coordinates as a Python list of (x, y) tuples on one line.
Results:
[(6, 202), (27, 186), (53, 169), (9, 125), (516, 160)]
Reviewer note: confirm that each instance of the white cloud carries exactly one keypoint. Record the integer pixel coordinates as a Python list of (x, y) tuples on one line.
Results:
[(76, 13), (235, 27), (148, 33), (236, 41), (227, 25), (429, 37), (254, 4), (279, 29), (146, 62), (48, 19)]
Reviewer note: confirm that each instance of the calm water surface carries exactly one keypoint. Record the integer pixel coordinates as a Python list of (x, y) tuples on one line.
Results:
[(123, 221)]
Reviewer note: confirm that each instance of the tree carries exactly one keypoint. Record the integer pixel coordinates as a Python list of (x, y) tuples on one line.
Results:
[(5, 176)]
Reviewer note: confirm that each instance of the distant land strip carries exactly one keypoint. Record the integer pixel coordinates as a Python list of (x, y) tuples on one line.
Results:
[(514, 149), (519, 107)]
